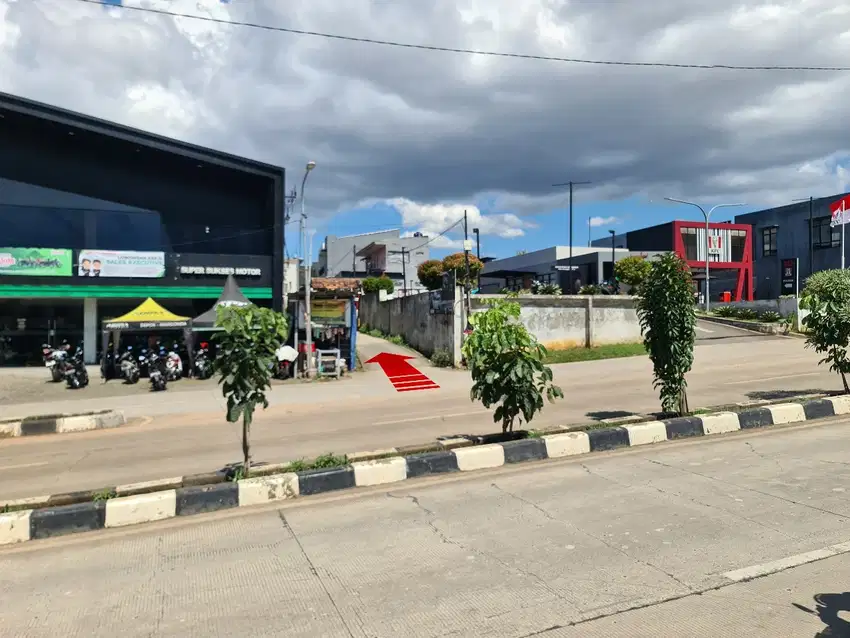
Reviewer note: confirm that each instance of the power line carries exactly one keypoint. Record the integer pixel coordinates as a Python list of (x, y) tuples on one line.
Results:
[(481, 52)]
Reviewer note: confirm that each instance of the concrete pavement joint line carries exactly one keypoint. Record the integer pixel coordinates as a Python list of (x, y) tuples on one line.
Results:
[(57, 515)]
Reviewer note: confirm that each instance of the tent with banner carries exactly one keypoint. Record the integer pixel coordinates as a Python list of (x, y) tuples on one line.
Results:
[(149, 316), (231, 295)]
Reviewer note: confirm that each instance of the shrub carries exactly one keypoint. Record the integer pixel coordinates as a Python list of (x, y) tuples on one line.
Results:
[(538, 288), (441, 358), (375, 284), (668, 322), (726, 311), (769, 316), (590, 289), (747, 314), (457, 262), (632, 270), (827, 298), (430, 274), (506, 363)]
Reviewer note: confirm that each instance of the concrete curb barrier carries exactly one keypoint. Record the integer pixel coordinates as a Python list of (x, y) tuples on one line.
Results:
[(125, 505), (61, 423)]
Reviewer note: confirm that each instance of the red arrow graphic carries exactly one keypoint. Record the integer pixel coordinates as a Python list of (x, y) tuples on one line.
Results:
[(403, 376)]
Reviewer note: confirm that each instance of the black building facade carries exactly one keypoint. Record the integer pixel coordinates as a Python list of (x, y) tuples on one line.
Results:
[(95, 217)]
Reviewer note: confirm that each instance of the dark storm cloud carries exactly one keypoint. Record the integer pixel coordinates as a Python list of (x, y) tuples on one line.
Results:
[(385, 122)]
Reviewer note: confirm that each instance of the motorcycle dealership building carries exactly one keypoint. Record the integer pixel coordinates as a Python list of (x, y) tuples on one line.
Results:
[(96, 217)]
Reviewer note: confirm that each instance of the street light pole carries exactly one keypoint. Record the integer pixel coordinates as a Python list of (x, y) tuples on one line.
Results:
[(707, 216), (811, 201), (478, 252), (613, 254), (571, 184), (308, 315)]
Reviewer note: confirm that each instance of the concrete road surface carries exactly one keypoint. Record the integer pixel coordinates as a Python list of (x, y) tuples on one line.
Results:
[(647, 542), (366, 414)]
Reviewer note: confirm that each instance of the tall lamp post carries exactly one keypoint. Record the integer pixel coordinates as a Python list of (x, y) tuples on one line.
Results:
[(613, 254), (707, 216), (477, 233), (308, 316), (811, 201), (571, 184)]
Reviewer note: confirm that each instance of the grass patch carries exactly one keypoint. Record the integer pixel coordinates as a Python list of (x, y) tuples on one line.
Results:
[(610, 351)]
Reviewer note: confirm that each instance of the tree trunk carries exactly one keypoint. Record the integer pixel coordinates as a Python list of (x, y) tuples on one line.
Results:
[(844, 381), (246, 445), (682, 403)]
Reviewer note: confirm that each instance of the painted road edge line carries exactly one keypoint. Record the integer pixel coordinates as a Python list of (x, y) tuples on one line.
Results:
[(58, 515)]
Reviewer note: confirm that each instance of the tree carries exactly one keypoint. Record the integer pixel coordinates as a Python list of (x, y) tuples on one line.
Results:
[(457, 262), (632, 270), (827, 298), (430, 274), (248, 339), (506, 363), (665, 307), (374, 284)]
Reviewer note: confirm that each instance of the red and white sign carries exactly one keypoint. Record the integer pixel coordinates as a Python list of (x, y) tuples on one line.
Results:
[(840, 211), (714, 245)]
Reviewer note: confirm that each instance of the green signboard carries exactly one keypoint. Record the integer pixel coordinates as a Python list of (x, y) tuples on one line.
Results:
[(36, 262)]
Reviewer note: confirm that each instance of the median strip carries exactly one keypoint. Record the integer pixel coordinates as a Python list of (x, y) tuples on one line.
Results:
[(61, 514)]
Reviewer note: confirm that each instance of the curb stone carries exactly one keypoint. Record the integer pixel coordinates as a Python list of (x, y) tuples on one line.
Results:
[(61, 423), (185, 497)]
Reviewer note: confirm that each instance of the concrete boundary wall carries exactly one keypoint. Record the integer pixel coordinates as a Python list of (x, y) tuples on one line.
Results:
[(561, 322)]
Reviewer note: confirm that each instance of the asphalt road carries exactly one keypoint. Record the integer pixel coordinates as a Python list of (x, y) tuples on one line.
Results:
[(366, 414), (642, 542)]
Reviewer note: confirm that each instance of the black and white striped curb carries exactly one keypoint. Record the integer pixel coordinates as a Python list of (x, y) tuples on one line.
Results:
[(61, 423), (128, 506)]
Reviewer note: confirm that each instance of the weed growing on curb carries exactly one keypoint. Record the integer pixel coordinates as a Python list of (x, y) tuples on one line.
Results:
[(104, 494)]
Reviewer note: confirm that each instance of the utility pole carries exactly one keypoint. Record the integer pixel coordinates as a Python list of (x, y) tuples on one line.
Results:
[(613, 254), (404, 270), (289, 202), (707, 216), (478, 253), (466, 246), (353, 261), (308, 315), (571, 184)]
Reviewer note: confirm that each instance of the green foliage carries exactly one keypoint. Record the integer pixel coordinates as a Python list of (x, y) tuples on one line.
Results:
[(325, 461), (430, 274), (726, 311), (590, 289), (441, 358), (247, 341), (632, 270), (827, 298), (538, 288), (457, 262), (104, 494), (506, 363), (747, 314), (665, 308), (769, 316), (374, 284)]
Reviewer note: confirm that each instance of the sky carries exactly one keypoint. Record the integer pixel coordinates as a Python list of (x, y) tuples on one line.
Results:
[(410, 138)]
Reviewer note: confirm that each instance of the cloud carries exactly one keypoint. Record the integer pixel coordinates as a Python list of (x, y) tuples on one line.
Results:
[(426, 127), (433, 219), (604, 221)]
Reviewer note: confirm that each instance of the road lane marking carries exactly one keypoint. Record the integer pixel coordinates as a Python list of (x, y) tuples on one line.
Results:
[(764, 569), (701, 329), (784, 376), (21, 466)]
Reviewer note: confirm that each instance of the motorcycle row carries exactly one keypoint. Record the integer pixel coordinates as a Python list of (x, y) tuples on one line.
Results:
[(159, 364)]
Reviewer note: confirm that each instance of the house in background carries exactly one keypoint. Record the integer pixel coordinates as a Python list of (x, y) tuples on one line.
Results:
[(375, 254)]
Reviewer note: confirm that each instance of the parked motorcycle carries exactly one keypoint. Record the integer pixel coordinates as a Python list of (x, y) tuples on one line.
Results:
[(286, 357), (203, 363), (143, 362), (173, 365), (54, 361), (157, 372), (76, 375), (129, 366)]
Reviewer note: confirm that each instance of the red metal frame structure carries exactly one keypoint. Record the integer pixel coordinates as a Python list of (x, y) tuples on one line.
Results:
[(744, 287)]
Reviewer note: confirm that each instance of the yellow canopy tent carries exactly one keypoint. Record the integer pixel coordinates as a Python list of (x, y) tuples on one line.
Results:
[(147, 316)]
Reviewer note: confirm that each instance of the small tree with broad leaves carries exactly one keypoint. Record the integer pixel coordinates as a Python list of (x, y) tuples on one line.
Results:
[(430, 274), (665, 307), (247, 340), (632, 271), (827, 298), (506, 362)]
